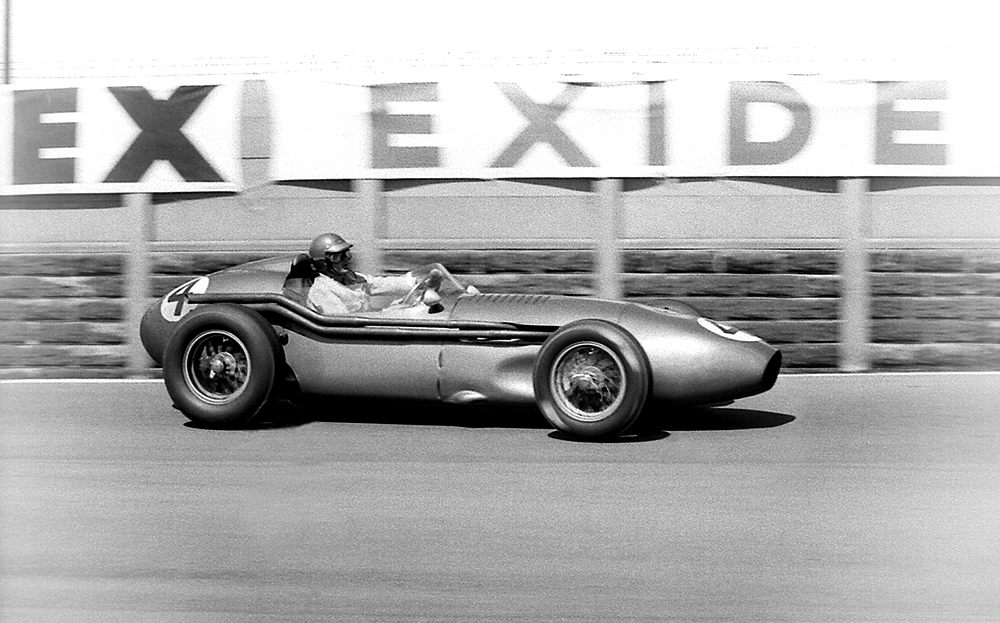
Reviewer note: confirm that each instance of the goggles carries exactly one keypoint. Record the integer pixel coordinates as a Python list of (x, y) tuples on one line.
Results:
[(339, 256)]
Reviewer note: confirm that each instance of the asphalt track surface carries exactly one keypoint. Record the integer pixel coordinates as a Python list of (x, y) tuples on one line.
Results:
[(830, 498)]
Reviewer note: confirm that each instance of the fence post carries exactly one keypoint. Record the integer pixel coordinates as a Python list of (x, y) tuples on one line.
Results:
[(855, 298), (139, 215), (368, 246), (606, 238)]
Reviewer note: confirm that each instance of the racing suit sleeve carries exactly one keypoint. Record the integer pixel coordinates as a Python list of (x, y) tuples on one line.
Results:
[(391, 284)]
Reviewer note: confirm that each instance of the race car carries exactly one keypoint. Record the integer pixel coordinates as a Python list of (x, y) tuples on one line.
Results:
[(234, 341)]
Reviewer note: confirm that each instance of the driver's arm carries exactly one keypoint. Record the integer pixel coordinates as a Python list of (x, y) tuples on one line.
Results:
[(435, 273), (391, 284)]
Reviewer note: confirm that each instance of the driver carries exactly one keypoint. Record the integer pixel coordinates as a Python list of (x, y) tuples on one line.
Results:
[(337, 289)]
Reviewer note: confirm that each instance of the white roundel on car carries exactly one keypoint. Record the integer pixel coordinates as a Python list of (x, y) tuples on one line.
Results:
[(727, 331), (175, 305)]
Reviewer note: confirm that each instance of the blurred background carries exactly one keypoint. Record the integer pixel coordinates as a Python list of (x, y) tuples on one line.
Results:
[(749, 159)]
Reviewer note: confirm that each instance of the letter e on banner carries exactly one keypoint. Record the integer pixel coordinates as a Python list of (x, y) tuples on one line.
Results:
[(389, 127), (742, 150), (39, 136), (889, 120)]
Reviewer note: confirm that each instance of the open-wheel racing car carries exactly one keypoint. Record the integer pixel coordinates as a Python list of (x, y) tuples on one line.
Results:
[(235, 340)]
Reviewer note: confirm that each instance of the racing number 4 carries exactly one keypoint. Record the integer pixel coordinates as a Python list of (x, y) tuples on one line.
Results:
[(176, 305), (179, 296)]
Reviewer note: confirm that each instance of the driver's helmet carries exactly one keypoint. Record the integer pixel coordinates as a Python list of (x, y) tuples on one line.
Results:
[(327, 243)]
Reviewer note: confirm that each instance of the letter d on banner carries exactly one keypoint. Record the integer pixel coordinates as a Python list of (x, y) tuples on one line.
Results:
[(743, 151)]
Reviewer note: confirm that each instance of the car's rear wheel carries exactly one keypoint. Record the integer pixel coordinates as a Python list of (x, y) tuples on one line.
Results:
[(221, 363), (591, 379)]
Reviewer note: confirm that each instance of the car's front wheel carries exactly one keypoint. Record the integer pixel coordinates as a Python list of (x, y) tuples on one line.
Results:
[(220, 365), (591, 379)]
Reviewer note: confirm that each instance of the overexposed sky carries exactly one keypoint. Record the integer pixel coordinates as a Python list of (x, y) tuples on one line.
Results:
[(64, 38)]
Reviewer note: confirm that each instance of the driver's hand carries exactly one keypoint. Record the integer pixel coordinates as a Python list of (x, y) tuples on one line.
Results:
[(434, 278)]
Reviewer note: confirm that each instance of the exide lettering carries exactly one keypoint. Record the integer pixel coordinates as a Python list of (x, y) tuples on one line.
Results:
[(745, 152), (43, 135), (889, 121), (542, 127), (386, 155), (160, 135), (35, 133)]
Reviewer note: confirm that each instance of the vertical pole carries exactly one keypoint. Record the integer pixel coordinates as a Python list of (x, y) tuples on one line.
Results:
[(855, 315), (6, 41), (139, 216), (368, 246), (255, 133), (607, 246)]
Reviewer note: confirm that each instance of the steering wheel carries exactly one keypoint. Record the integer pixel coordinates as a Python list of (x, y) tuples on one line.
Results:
[(431, 282)]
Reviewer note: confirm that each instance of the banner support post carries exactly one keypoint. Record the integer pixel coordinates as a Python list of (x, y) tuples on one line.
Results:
[(369, 202), (606, 238), (139, 216), (855, 301)]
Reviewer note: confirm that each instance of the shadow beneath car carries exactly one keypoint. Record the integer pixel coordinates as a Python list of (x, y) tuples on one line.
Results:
[(718, 418), (659, 422), (397, 413), (656, 423), (268, 421), (636, 434)]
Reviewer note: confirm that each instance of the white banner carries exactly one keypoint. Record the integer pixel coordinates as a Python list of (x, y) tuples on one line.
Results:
[(704, 128), (126, 139), (92, 139)]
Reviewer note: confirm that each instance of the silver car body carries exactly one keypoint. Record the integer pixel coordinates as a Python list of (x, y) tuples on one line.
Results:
[(479, 348)]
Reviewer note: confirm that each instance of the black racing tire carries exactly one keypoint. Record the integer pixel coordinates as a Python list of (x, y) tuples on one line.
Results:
[(591, 379), (221, 365)]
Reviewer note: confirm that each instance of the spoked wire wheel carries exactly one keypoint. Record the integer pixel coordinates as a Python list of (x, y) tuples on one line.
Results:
[(588, 381), (217, 366), (221, 363), (591, 379)]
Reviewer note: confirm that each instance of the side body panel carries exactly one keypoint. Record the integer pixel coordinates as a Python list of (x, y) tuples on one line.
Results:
[(471, 373), (502, 373), (364, 369)]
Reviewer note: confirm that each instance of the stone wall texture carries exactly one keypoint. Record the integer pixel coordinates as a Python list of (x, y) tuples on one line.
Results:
[(64, 315)]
